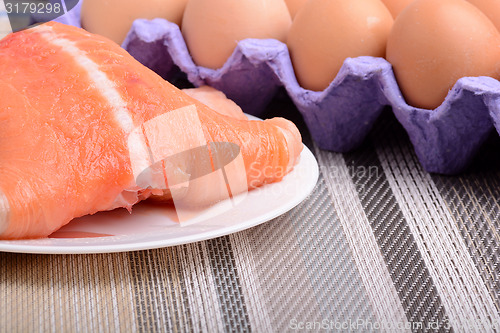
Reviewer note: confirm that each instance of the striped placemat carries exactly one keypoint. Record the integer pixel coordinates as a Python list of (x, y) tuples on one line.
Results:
[(380, 245)]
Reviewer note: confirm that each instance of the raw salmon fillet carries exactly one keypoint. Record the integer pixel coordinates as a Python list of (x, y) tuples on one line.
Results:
[(69, 103), (217, 101)]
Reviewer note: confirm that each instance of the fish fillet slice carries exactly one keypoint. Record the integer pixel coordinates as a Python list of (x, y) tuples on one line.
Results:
[(69, 100)]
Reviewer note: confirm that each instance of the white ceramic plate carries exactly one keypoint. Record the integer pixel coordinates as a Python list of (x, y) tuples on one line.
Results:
[(153, 226)]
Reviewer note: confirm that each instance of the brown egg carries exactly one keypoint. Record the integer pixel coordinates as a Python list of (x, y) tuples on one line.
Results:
[(212, 28), (434, 43), (294, 6), (113, 18), (325, 32), (396, 6), (491, 8)]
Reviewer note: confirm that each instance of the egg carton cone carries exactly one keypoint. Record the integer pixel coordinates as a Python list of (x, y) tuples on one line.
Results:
[(340, 117)]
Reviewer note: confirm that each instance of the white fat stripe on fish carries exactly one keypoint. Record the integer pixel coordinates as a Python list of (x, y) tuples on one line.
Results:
[(4, 212), (100, 80)]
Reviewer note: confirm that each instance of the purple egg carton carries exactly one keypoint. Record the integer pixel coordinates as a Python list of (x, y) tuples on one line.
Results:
[(340, 117)]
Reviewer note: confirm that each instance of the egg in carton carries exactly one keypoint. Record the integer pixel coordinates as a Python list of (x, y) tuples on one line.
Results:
[(339, 117)]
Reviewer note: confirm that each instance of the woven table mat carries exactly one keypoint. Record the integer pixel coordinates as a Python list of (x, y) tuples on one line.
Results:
[(380, 245)]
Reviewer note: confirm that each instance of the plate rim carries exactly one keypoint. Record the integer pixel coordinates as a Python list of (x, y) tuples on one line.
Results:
[(11, 247)]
